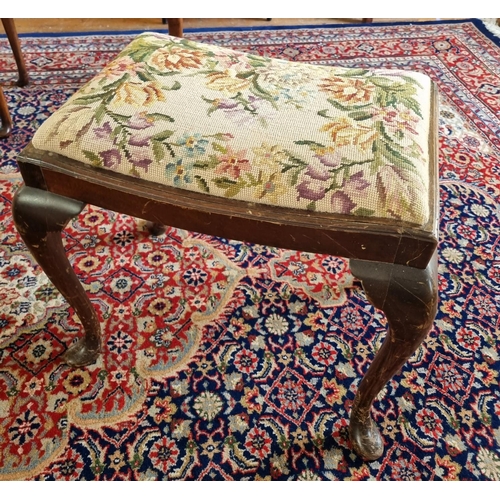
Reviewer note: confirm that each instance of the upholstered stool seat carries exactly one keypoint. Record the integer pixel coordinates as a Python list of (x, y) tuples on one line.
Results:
[(324, 159), (235, 125)]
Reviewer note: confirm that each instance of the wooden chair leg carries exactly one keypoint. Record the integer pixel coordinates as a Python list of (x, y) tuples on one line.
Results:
[(175, 27), (10, 30), (408, 297), (155, 228), (40, 217), (5, 119)]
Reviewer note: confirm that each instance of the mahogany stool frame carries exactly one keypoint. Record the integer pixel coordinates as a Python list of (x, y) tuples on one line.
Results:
[(396, 263)]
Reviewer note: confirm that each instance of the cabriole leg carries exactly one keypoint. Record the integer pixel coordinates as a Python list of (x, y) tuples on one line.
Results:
[(408, 297), (40, 217)]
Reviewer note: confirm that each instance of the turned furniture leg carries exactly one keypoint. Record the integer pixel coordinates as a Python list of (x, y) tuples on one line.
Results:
[(10, 30), (408, 297), (40, 217), (175, 27), (5, 119)]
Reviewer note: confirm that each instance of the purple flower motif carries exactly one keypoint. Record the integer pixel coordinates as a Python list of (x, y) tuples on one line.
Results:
[(141, 163), (356, 182), (140, 158), (310, 191), (136, 140), (226, 104), (318, 173), (330, 159), (139, 122), (341, 203), (111, 158), (104, 131)]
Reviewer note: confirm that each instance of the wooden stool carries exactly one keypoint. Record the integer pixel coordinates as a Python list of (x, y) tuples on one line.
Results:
[(312, 158)]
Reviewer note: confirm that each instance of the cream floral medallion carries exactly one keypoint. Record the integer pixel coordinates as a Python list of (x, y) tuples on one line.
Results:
[(236, 125)]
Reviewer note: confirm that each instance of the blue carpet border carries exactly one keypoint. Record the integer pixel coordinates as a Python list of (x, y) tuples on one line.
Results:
[(477, 22)]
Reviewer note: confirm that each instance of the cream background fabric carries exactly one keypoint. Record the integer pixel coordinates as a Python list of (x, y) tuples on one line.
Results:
[(210, 119)]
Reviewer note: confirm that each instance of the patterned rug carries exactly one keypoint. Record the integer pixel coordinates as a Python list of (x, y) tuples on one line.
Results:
[(229, 361)]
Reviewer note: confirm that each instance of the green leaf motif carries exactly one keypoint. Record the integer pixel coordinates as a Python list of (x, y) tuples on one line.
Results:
[(360, 115), (233, 190), (337, 105), (175, 86), (158, 151), (94, 159), (162, 136), (160, 116), (218, 147), (224, 182), (354, 72), (363, 212), (314, 145), (413, 104), (202, 184)]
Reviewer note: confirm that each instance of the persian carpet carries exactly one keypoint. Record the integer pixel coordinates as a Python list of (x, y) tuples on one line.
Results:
[(229, 361)]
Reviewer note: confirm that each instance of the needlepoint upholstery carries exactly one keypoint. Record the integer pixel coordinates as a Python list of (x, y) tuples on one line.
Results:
[(236, 125)]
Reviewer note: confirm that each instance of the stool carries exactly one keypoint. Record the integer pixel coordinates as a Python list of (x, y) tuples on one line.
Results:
[(330, 160)]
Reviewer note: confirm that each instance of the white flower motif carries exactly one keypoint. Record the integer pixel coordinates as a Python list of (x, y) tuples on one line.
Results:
[(452, 255), (208, 405), (277, 325), (489, 464), (480, 210)]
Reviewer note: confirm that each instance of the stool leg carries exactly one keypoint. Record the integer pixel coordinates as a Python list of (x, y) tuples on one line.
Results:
[(40, 217), (10, 30), (175, 27), (408, 297), (155, 228), (5, 119)]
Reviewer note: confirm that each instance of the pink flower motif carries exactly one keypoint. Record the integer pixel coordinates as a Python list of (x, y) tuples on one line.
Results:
[(341, 432), (233, 163), (69, 467), (429, 423), (468, 339), (324, 353), (448, 377), (494, 272), (351, 318), (164, 454), (404, 470), (246, 361), (258, 443), (291, 396)]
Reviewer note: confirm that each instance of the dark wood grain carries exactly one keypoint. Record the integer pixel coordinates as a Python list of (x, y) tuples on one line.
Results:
[(40, 217), (408, 298)]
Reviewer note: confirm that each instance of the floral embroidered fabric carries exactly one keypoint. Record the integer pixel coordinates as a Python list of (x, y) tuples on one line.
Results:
[(237, 125)]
